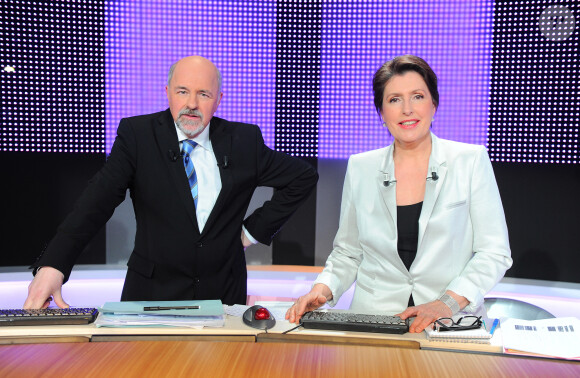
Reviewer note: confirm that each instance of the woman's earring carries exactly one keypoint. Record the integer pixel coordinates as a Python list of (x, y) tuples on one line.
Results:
[(384, 124)]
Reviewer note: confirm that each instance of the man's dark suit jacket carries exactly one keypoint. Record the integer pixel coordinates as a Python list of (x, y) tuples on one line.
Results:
[(172, 260)]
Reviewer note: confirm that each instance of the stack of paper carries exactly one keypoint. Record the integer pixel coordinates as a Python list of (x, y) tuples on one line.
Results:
[(557, 337), (192, 314), (480, 336)]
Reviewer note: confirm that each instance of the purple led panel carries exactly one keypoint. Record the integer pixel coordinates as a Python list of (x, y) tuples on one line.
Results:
[(534, 114), (52, 69), (144, 38), (454, 37)]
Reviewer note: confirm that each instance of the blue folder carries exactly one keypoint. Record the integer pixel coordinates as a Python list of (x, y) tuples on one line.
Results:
[(211, 307)]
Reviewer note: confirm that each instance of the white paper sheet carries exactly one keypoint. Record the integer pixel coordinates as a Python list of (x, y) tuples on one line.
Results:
[(113, 320), (557, 337), (276, 308)]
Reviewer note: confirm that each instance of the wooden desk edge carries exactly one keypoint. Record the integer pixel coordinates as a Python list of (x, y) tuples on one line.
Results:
[(335, 340), (177, 337), (14, 340)]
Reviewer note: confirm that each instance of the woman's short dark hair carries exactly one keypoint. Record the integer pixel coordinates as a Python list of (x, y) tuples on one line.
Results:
[(399, 66)]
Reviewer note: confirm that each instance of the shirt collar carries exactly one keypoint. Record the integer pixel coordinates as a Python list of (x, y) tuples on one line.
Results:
[(202, 139)]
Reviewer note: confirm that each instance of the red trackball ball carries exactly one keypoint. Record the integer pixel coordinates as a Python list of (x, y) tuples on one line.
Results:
[(262, 314)]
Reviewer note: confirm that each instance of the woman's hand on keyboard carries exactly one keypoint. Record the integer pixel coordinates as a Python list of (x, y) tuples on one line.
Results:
[(427, 313), (317, 297)]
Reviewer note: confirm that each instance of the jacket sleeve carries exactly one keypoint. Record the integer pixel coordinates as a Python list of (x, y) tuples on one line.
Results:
[(292, 179), (491, 252)]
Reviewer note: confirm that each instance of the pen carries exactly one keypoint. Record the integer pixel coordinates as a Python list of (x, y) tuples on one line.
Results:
[(160, 308), (493, 327)]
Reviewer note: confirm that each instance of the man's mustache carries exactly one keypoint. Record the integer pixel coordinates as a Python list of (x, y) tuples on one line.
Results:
[(190, 112)]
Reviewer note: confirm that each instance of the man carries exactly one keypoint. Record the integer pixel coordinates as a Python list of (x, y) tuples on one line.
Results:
[(191, 234)]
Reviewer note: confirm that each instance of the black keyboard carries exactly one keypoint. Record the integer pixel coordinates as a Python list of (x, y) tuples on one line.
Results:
[(48, 316), (345, 321)]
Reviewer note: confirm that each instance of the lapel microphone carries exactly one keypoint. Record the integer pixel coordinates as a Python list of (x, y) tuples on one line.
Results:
[(225, 163), (386, 181), (173, 156), (434, 176)]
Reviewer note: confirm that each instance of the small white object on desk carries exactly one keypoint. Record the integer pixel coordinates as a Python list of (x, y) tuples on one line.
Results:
[(276, 308), (236, 310)]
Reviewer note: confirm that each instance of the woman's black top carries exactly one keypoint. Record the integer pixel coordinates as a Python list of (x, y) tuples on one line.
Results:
[(408, 234)]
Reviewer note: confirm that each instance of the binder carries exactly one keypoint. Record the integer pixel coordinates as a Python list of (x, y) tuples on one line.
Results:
[(206, 308), (196, 314)]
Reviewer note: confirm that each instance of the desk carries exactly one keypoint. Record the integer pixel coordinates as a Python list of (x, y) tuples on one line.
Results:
[(237, 349), (234, 330), (216, 359)]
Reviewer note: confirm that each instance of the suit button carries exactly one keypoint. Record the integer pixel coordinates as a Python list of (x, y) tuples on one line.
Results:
[(200, 244), (196, 280)]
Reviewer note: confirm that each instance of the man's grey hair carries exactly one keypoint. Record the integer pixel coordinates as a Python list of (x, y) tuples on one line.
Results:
[(172, 68)]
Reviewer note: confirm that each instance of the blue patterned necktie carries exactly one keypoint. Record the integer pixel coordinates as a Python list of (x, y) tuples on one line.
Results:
[(188, 146)]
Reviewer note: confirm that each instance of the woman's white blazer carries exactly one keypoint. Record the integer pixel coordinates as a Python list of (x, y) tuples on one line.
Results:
[(463, 241)]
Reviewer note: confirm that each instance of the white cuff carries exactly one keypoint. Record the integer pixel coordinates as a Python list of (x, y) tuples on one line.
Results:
[(249, 236)]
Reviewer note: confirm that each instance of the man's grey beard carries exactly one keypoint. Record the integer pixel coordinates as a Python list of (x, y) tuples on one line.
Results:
[(197, 126)]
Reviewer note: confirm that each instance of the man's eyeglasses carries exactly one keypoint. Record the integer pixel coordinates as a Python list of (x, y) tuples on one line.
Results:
[(463, 323)]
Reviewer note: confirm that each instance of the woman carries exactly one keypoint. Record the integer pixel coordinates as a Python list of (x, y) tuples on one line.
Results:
[(422, 229)]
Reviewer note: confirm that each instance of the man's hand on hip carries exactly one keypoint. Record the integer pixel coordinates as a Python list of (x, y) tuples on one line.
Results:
[(245, 241)]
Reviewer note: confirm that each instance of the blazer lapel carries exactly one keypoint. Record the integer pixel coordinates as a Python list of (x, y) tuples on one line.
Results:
[(222, 148), (437, 164), (388, 193), (169, 146)]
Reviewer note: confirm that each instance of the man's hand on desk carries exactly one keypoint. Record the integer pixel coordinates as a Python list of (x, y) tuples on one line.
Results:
[(46, 283), (317, 297)]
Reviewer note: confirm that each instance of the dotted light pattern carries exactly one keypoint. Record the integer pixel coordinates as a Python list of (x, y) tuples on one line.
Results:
[(534, 100), (144, 38), (298, 77), (454, 37), (53, 98), (53, 94)]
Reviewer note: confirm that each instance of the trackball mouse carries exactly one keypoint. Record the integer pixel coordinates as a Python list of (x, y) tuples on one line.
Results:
[(259, 317)]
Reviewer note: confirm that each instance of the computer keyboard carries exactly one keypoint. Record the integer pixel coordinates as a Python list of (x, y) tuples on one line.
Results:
[(48, 316), (345, 321)]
